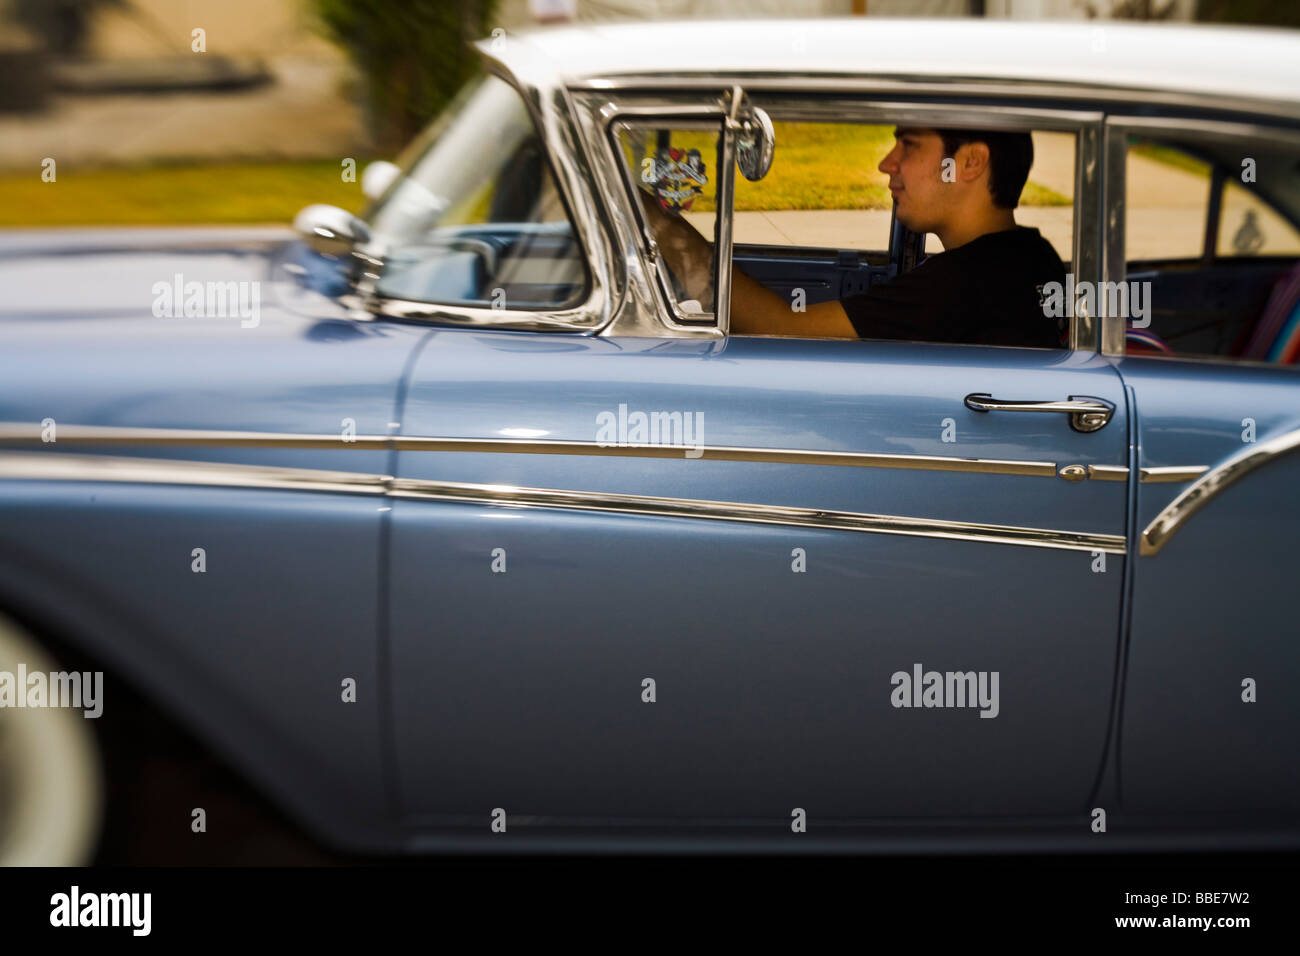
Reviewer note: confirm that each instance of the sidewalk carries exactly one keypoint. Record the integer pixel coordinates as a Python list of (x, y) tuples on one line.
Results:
[(302, 115), (866, 229), (1165, 214)]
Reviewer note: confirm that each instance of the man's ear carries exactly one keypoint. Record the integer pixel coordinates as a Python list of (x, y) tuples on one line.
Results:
[(972, 160)]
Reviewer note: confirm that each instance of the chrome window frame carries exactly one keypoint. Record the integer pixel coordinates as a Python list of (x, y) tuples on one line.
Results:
[(550, 109), (1119, 126), (878, 103), (687, 119), (644, 310), (1112, 99), (1085, 125)]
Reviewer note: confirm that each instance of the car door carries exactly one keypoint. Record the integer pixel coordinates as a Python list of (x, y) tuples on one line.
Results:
[(1209, 718), (689, 577), (772, 599)]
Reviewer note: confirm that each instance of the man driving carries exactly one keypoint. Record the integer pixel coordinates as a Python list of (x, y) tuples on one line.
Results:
[(984, 288)]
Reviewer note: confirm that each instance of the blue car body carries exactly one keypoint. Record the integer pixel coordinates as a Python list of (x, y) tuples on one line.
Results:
[(424, 508)]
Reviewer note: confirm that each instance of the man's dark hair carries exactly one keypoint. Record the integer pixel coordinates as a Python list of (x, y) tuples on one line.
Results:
[(1010, 156)]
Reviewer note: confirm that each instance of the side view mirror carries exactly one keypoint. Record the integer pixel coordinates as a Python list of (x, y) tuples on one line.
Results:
[(377, 177), (329, 230), (754, 145)]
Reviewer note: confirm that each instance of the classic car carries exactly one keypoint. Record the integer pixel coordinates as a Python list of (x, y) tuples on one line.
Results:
[(463, 524)]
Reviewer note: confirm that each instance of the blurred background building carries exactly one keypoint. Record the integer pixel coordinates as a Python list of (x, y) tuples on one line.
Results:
[(119, 84)]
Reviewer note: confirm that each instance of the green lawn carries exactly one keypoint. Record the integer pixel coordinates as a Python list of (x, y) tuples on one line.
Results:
[(1169, 156), (826, 166), (822, 166), (833, 166), (816, 166), (175, 194)]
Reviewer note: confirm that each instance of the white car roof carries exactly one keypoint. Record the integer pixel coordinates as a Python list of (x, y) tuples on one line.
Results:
[(1248, 62)]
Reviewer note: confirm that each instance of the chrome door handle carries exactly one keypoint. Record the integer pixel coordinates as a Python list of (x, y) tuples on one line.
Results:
[(1086, 414)]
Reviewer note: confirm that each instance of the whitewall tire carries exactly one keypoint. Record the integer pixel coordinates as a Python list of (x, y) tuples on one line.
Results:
[(51, 776)]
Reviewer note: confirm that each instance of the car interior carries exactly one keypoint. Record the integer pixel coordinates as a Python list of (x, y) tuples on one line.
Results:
[(830, 274), (1235, 295), (824, 187), (1221, 255), (1234, 289)]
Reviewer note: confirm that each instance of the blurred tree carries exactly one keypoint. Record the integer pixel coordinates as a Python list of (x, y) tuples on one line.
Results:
[(62, 24), (1138, 10), (1278, 13), (413, 54)]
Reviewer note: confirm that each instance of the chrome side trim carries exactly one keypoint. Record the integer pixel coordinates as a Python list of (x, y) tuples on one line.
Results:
[(67, 467), (20, 433), (49, 466), (1108, 472), (1210, 485), (755, 513), (785, 456), (1171, 473)]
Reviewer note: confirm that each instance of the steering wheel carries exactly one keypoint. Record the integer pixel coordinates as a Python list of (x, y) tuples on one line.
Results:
[(480, 247)]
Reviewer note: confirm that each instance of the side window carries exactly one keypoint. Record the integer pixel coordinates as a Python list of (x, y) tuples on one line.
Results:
[(477, 219), (1168, 200), (842, 213), (840, 217), (1211, 261), (672, 171), (1248, 226), (823, 190), (826, 191)]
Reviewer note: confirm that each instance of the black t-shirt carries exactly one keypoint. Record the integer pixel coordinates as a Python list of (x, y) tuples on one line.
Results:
[(988, 292)]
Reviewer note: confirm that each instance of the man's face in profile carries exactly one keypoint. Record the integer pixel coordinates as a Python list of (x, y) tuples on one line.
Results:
[(915, 170)]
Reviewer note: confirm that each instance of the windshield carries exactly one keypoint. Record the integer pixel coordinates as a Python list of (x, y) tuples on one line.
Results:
[(476, 218)]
